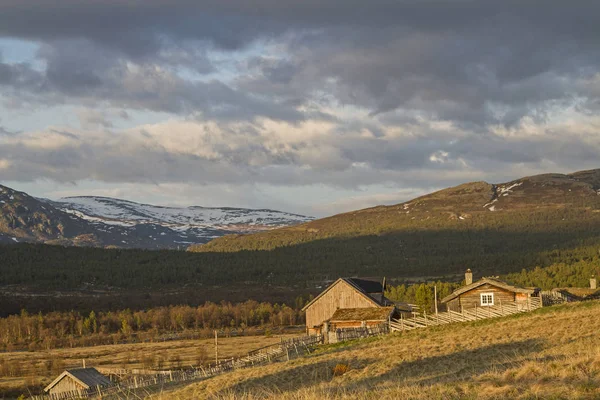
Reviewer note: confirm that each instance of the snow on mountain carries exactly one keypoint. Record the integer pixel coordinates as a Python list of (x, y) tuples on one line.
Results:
[(128, 224), (127, 213)]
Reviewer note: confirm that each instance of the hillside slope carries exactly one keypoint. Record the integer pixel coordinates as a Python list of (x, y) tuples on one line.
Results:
[(26, 219), (515, 357), (532, 204)]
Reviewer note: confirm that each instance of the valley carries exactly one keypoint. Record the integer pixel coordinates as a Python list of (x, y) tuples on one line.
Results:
[(544, 223)]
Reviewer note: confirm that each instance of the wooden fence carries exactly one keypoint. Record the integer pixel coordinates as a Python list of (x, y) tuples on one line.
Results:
[(473, 314), (363, 332), (135, 379), (550, 297)]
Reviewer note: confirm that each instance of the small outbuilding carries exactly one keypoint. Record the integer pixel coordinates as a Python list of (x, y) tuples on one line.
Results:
[(345, 294), (570, 294), (489, 291), (78, 380)]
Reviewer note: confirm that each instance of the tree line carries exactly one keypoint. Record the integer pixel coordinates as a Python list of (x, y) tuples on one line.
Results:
[(70, 329)]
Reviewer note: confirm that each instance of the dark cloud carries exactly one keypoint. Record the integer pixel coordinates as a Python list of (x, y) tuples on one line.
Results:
[(402, 86), (472, 62), (76, 72)]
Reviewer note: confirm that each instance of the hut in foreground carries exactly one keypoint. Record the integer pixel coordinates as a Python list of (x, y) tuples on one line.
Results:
[(78, 380), (352, 302)]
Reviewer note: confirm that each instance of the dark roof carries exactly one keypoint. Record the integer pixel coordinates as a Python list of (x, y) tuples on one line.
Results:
[(86, 377), (490, 281), (362, 314), (365, 287)]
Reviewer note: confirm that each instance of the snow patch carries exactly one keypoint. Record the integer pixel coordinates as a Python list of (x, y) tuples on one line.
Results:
[(15, 239), (492, 208), (509, 189), (490, 203)]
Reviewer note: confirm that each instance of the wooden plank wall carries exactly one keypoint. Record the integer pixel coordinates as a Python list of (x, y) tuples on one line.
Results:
[(66, 384), (342, 295), (472, 298)]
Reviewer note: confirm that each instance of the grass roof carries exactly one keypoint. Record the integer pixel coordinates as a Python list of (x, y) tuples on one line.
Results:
[(362, 314)]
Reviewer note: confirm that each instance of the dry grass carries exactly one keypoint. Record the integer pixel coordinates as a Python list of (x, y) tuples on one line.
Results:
[(40, 367), (553, 353)]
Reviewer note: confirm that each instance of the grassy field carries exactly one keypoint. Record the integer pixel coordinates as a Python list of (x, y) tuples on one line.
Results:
[(552, 353), (22, 370)]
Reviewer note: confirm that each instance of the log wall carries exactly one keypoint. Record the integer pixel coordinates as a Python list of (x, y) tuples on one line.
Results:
[(341, 295), (472, 298)]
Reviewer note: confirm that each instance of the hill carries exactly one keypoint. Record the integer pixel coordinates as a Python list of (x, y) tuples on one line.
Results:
[(533, 204), (102, 222), (490, 228), (515, 357)]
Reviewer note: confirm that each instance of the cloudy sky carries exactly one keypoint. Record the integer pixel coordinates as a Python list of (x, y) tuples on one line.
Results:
[(309, 106)]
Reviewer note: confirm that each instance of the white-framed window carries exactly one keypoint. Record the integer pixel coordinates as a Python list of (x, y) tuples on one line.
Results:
[(487, 299)]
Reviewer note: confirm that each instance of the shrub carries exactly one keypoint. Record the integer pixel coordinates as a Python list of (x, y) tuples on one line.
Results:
[(340, 369)]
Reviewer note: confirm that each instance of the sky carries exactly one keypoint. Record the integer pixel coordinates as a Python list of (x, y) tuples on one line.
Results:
[(313, 107)]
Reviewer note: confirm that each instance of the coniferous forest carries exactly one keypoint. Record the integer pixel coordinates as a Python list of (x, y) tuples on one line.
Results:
[(541, 231)]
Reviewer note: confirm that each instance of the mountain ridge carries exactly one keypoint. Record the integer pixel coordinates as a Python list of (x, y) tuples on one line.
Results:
[(109, 222), (469, 204)]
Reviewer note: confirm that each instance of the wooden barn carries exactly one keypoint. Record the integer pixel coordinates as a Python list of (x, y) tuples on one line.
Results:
[(487, 292), (78, 380), (345, 293)]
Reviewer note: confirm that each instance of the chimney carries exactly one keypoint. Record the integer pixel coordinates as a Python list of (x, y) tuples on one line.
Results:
[(593, 283), (468, 277)]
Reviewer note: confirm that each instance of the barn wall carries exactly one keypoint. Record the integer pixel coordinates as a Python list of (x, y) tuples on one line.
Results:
[(66, 384), (342, 295), (472, 298)]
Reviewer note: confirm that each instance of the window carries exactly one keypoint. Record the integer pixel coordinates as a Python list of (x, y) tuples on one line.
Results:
[(487, 299)]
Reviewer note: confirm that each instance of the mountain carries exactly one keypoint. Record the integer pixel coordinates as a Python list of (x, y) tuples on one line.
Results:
[(102, 221), (528, 206), (26, 219), (543, 230)]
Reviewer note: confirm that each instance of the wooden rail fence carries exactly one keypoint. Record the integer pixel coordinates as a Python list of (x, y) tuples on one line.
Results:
[(135, 379), (473, 314)]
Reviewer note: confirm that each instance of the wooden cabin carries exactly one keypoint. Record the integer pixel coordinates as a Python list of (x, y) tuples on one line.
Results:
[(487, 292), (570, 294), (345, 293), (78, 380)]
